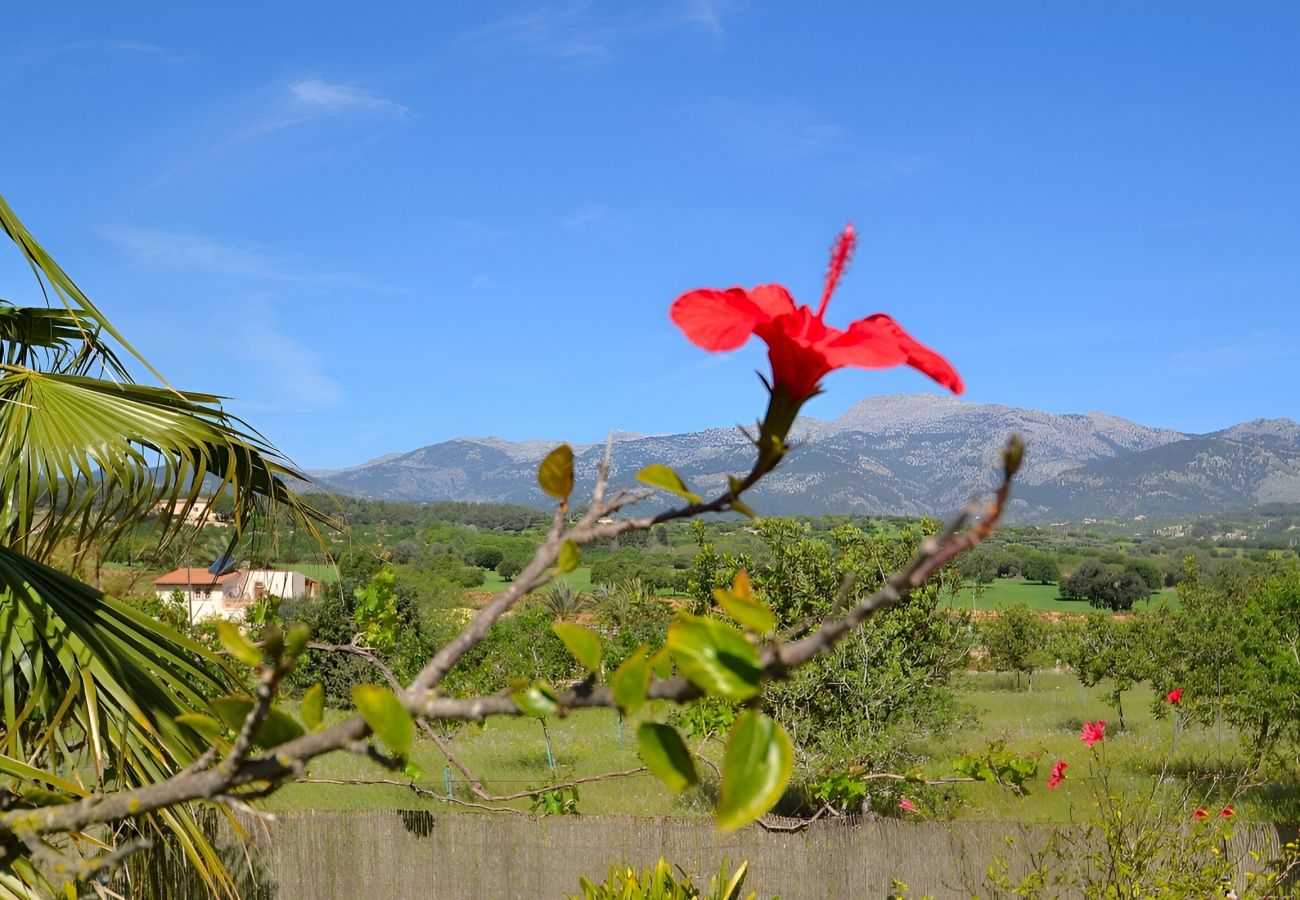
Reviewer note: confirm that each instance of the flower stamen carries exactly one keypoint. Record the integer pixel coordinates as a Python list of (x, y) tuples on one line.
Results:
[(841, 252)]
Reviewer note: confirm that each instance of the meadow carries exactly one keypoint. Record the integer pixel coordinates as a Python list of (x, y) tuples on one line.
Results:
[(510, 755)]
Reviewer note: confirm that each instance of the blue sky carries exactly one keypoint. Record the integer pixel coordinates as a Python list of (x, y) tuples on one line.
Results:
[(379, 227)]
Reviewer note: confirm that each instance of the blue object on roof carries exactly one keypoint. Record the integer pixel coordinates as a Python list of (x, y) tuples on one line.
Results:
[(223, 565)]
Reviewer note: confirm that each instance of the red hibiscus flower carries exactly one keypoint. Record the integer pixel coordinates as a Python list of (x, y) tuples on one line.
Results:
[(1093, 732), (1227, 812), (1175, 696), (801, 347), (1058, 774), (907, 806), (1201, 813)]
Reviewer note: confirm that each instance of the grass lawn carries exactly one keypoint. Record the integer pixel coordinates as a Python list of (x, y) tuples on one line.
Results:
[(1004, 592), (580, 578), (510, 755), (1049, 719)]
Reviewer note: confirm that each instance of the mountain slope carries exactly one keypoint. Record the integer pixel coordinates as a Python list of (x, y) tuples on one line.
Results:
[(893, 454)]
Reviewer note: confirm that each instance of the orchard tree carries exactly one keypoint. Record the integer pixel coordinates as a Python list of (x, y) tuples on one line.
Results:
[(1016, 640)]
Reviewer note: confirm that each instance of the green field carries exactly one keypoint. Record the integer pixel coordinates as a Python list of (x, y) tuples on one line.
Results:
[(580, 578), (1003, 592), (510, 755)]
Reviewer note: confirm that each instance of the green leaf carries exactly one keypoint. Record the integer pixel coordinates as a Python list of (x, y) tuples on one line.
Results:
[(660, 476), (386, 716), (537, 699), (740, 604), (715, 656), (413, 771), (665, 755), (569, 557), (278, 728), (240, 647), (755, 770), (206, 726), (582, 643), (313, 706), (296, 641), (631, 680), (555, 474)]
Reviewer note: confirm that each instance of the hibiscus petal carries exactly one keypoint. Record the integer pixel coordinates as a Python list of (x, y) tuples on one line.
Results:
[(878, 342), (716, 320), (772, 299)]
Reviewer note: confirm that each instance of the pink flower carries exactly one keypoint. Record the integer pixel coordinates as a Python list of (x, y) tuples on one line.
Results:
[(1201, 813), (1058, 774), (907, 806), (1093, 732), (1175, 696), (801, 347), (1227, 812)]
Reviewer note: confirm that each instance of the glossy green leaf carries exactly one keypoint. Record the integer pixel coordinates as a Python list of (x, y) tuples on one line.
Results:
[(240, 647), (660, 476), (569, 558), (278, 728), (755, 769), (582, 643), (208, 727), (741, 605), (665, 755), (715, 656), (536, 699), (631, 680), (555, 474), (313, 706), (387, 717)]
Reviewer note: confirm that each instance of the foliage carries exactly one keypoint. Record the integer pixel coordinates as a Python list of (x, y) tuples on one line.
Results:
[(563, 602), (1015, 639), (376, 610), (1105, 586), (661, 883), (860, 703), (1233, 648)]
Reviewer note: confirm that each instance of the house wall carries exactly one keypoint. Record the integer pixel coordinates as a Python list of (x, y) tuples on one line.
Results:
[(204, 602)]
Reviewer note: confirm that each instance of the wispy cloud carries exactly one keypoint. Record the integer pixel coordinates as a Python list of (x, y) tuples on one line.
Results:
[(243, 259), (141, 49), (589, 215), (292, 104), (574, 34), (293, 376)]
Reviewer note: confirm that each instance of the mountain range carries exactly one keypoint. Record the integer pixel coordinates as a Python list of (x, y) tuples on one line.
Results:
[(905, 454)]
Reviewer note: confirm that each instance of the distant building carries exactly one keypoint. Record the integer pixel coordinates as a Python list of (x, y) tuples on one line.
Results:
[(199, 513), (207, 595)]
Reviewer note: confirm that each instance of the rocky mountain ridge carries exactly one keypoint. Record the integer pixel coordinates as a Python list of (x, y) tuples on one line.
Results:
[(920, 454)]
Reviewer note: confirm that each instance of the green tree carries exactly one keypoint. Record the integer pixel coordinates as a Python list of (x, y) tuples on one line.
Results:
[(1015, 640), (1042, 567)]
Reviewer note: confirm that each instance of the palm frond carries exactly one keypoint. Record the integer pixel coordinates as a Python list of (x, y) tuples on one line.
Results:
[(83, 460), (87, 317), (91, 693)]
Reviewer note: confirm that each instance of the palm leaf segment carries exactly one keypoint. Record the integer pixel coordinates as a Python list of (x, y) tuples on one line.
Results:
[(90, 688)]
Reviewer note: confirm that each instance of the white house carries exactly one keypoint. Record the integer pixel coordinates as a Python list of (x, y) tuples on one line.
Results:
[(206, 595)]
